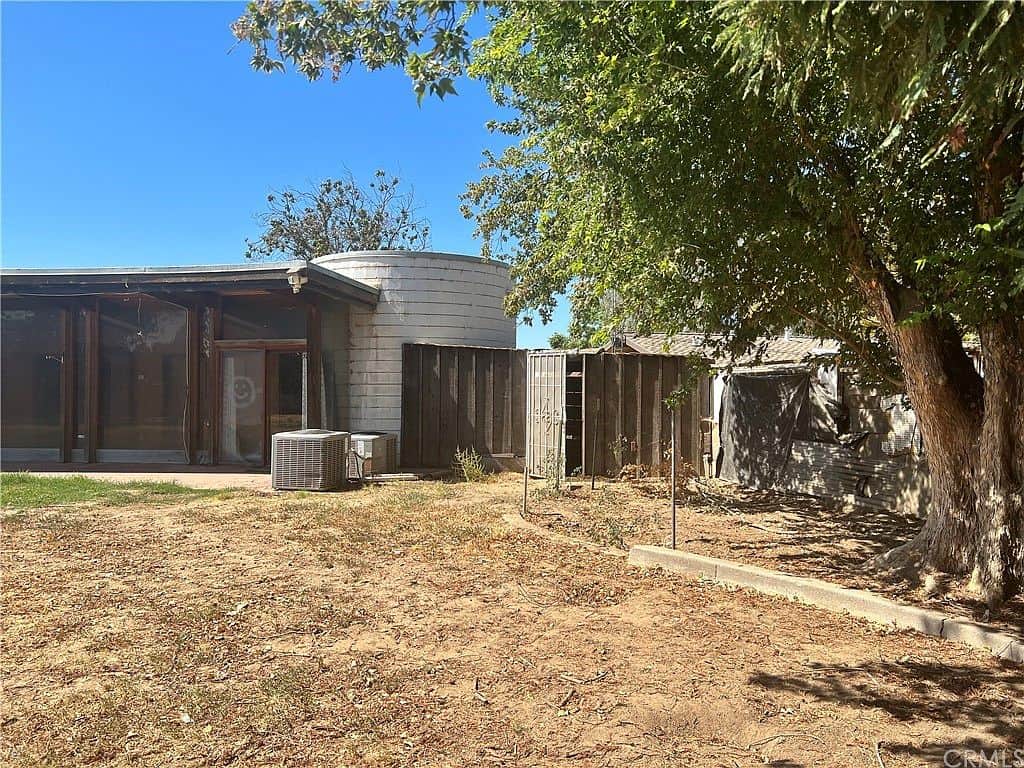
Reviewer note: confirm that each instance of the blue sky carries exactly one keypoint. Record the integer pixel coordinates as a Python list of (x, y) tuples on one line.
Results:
[(131, 136)]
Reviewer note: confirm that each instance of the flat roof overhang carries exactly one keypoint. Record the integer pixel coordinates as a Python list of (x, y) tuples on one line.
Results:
[(284, 275)]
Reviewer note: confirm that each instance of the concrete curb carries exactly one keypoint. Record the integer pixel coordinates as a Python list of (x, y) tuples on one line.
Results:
[(856, 602), (517, 521)]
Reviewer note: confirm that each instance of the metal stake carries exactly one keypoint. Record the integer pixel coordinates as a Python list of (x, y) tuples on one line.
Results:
[(526, 484), (673, 474), (558, 456)]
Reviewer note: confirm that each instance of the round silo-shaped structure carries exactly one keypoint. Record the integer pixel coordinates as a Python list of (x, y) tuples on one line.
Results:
[(432, 298)]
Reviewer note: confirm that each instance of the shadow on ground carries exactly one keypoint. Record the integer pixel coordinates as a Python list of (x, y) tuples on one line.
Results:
[(831, 541), (989, 701)]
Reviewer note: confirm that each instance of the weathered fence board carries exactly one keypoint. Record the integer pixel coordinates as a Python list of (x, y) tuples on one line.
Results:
[(461, 397), (626, 414)]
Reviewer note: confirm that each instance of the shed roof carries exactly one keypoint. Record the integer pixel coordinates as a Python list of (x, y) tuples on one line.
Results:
[(275, 275), (768, 350)]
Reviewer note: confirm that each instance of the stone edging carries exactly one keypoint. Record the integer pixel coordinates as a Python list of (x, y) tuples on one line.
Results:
[(856, 602)]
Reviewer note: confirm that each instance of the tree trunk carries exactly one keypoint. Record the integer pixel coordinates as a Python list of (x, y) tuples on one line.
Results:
[(998, 567), (973, 433)]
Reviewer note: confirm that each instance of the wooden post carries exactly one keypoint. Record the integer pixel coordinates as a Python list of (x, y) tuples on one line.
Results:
[(194, 346), (314, 411), (92, 379), (67, 383)]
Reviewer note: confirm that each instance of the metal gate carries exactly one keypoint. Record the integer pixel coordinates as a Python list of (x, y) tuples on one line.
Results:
[(545, 403)]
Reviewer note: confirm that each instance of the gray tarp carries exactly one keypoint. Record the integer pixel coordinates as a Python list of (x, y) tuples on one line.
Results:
[(762, 413)]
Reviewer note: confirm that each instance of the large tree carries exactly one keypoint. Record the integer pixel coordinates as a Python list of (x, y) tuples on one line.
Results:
[(745, 167), (338, 215)]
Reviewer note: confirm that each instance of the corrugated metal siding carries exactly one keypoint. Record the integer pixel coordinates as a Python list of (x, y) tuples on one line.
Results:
[(461, 397), (834, 472)]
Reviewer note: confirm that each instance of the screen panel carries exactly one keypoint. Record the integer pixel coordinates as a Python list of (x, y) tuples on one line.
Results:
[(242, 406), (262, 317), (143, 380), (30, 386)]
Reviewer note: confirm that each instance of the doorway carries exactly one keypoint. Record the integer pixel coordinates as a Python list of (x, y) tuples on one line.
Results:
[(263, 392)]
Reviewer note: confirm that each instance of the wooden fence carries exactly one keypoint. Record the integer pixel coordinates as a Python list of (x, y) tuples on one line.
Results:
[(462, 397), (626, 420)]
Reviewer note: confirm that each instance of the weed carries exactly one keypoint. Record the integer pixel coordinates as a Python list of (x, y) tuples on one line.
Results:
[(468, 465)]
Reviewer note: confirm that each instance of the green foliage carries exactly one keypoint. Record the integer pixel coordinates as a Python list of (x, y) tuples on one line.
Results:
[(468, 465), (935, 81), (21, 490), (737, 167), (429, 38), (559, 340), (337, 216), (571, 340)]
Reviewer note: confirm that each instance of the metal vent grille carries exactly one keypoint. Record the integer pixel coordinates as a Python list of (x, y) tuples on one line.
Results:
[(308, 460)]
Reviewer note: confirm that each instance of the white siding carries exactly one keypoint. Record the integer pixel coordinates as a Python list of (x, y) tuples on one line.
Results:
[(425, 297)]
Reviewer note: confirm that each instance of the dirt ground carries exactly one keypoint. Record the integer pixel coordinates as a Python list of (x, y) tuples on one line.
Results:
[(784, 532), (407, 625)]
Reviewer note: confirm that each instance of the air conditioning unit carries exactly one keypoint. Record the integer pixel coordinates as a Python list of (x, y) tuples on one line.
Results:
[(373, 453), (308, 460)]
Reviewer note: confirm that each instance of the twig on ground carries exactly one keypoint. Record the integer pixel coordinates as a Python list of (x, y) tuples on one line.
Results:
[(786, 735), (878, 754), (526, 595), (476, 691), (583, 681)]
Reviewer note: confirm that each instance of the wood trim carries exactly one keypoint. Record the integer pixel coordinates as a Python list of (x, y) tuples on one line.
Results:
[(92, 379), (265, 448), (194, 325), (271, 345), (67, 383), (313, 365), (215, 384)]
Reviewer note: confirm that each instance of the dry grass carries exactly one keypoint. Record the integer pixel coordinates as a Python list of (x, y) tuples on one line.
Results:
[(406, 625)]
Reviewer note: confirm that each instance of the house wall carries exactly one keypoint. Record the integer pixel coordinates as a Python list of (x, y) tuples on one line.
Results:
[(425, 298)]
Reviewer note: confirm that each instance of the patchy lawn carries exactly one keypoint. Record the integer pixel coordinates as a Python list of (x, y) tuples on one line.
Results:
[(22, 490), (406, 625), (785, 532)]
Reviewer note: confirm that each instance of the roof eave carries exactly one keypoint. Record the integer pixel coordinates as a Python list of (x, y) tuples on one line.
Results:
[(51, 283)]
